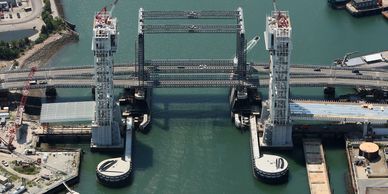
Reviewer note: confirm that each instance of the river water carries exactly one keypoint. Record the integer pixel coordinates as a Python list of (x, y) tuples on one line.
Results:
[(193, 146)]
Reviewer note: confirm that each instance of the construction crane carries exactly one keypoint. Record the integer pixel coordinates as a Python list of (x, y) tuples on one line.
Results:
[(252, 43), (342, 61), (101, 15), (20, 110), (113, 7)]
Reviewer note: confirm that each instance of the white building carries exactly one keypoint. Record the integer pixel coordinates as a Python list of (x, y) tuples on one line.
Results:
[(104, 45), (278, 131)]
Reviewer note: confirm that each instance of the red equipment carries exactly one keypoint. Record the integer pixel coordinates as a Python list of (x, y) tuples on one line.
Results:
[(20, 110)]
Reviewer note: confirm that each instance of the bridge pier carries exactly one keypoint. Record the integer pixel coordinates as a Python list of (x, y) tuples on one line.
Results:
[(51, 93), (4, 97), (242, 108), (329, 92), (138, 107)]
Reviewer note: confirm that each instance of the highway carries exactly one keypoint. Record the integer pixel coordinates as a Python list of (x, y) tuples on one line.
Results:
[(127, 83), (206, 76)]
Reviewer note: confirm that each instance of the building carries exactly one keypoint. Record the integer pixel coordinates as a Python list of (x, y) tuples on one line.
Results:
[(105, 132), (4, 6), (364, 4), (11, 3), (3, 179), (277, 127)]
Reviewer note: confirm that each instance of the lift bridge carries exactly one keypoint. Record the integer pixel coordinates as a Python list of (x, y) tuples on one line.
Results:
[(237, 74), (193, 72)]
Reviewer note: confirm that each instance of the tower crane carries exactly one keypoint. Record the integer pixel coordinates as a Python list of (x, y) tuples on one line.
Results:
[(20, 110)]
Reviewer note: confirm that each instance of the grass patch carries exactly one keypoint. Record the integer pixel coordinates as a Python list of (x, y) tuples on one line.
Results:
[(29, 169)]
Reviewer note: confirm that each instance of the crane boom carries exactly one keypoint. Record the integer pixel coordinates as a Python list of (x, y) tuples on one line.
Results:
[(113, 7), (20, 110), (252, 43)]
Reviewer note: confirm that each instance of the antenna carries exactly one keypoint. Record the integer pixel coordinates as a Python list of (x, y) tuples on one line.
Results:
[(274, 5)]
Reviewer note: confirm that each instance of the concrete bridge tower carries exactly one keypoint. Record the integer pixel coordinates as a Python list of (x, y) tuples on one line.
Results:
[(105, 132), (277, 127)]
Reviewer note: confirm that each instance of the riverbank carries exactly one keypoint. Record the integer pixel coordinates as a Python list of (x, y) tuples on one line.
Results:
[(39, 54)]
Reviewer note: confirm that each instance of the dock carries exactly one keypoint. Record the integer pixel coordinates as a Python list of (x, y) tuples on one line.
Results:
[(367, 163), (316, 167), (64, 131), (269, 168)]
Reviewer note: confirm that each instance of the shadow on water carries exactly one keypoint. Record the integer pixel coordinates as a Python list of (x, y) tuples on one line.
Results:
[(162, 116), (191, 98), (142, 155)]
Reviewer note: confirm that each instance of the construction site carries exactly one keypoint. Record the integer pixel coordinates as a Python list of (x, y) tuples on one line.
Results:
[(109, 121)]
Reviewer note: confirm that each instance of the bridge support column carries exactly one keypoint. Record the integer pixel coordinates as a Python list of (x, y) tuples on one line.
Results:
[(277, 130), (242, 109), (51, 93), (241, 57), (329, 92), (140, 60)]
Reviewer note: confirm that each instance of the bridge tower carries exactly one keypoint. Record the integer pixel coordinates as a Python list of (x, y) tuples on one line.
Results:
[(105, 132), (277, 127)]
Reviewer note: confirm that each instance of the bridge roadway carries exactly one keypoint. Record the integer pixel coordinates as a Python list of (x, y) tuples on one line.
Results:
[(127, 83), (172, 74)]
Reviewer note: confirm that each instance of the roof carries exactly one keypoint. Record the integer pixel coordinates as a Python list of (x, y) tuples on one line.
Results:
[(3, 178), (67, 111), (361, 1), (373, 57), (355, 61), (376, 190), (343, 111)]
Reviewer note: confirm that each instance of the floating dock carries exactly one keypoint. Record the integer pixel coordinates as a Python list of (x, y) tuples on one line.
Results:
[(316, 167)]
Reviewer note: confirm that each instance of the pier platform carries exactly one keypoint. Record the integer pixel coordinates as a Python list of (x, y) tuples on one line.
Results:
[(269, 168), (65, 131), (115, 172), (316, 167), (367, 162)]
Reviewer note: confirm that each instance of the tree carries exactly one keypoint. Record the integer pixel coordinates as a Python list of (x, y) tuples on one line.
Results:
[(44, 30)]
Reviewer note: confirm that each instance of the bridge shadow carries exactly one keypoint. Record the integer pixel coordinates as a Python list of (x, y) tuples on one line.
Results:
[(189, 106)]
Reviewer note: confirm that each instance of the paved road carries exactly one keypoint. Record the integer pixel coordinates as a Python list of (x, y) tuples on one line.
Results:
[(122, 68), (127, 83), (124, 77)]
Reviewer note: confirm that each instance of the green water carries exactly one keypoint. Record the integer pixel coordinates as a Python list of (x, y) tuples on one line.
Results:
[(193, 147)]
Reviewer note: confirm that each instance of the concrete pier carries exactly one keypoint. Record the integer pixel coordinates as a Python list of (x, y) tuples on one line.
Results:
[(316, 167), (118, 171), (268, 168)]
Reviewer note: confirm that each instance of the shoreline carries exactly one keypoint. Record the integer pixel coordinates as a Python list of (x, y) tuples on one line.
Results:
[(40, 53), (59, 8)]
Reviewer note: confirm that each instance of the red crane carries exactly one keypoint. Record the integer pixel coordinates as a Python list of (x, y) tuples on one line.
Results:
[(101, 16), (20, 110)]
